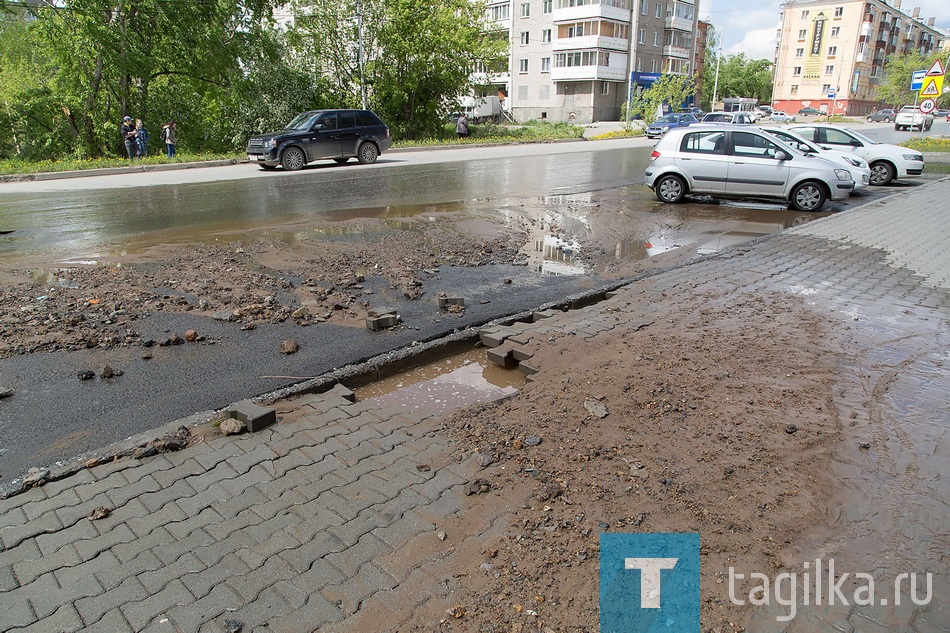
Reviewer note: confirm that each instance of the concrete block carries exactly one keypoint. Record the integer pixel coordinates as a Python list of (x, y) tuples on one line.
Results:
[(446, 301), (384, 322), (543, 314), (253, 415), (502, 356), (527, 369)]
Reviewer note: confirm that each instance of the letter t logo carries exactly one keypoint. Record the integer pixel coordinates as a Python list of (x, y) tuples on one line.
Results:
[(649, 578)]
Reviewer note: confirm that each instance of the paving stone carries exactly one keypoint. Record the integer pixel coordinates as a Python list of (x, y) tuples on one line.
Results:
[(188, 468), (158, 537), (317, 612), (303, 558), (112, 622), (331, 447), (218, 453), (404, 528), (89, 548), (243, 463), (226, 529), (46, 595), (181, 529), (355, 529), (75, 573), (140, 613), (220, 601), (13, 535), (156, 580), (29, 570), (168, 514), (170, 552), (16, 611), (280, 540), (221, 472), (37, 509), (112, 578), (121, 496), (355, 589), (53, 488), (366, 549), (13, 517), (219, 569), (251, 585), (102, 484)]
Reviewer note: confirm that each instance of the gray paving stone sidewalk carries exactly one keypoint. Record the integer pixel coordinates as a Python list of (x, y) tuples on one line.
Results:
[(330, 521)]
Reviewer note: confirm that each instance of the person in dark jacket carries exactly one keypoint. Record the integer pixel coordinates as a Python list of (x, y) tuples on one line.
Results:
[(129, 135), (461, 126), (141, 137)]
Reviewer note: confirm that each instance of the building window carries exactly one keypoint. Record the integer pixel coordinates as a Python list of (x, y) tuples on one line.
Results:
[(799, 52), (642, 37), (829, 70), (544, 93), (797, 71), (794, 89), (654, 66), (659, 10), (499, 12), (804, 15), (605, 88), (545, 64), (832, 51), (639, 65), (524, 38), (825, 89), (576, 30), (546, 36), (802, 33), (525, 9), (839, 11), (835, 31), (522, 66), (656, 38), (547, 6), (644, 6)]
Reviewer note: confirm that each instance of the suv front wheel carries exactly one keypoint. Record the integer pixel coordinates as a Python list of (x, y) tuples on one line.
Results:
[(808, 196), (670, 188), (292, 159)]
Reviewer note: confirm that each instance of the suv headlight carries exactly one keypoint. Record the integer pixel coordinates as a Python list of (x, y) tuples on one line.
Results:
[(270, 143), (843, 174), (913, 157)]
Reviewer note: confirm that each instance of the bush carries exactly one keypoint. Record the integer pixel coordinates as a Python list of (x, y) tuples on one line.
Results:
[(928, 144)]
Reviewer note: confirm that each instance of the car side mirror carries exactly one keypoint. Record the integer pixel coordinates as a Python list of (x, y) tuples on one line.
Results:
[(782, 155), (856, 143)]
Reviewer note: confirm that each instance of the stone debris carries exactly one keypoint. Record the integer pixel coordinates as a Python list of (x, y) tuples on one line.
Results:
[(86, 375), (477, 487), (289, 346), (109, 372), (99, 512), (5, 393), (596, 409), (191, 335), (231, 426)]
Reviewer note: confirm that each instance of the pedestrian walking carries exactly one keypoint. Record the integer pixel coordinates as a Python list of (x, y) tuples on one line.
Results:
[(461, 126), (129, 133), (141, 137), (168, 135)]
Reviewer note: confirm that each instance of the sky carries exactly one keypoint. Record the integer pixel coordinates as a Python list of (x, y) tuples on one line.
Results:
[(750, 26)]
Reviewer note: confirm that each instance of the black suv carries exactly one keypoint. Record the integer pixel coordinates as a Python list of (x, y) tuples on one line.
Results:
[(318, 134)]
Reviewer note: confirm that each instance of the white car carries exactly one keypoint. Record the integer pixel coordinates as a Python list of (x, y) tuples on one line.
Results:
[(780, 117), (742, 161), (860, 171), (887, 162)]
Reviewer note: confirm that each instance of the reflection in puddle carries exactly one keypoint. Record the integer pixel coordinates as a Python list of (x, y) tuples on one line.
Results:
[(445, 385)]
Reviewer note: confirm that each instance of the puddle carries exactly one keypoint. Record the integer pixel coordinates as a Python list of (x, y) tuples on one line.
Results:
[(445, 385)]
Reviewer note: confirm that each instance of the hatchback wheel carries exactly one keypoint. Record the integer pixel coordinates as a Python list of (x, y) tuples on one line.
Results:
[(881, 173), (670, 188), (367, 153), (808, 196), (292, 159)]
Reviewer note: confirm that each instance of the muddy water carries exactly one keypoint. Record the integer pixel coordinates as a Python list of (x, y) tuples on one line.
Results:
[(446, 385)]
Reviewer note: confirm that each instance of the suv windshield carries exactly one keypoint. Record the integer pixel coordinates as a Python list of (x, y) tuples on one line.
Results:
[(303, 121)]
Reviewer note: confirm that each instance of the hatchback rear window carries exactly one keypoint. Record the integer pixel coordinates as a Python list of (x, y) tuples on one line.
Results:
[(711, 142)]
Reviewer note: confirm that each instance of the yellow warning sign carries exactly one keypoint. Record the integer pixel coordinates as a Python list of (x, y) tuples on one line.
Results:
[(932, 87)]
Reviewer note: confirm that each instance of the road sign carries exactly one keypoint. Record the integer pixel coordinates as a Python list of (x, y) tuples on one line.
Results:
[(936, 69), (933, 86), (917, 79), (831, 93), (928, 105)]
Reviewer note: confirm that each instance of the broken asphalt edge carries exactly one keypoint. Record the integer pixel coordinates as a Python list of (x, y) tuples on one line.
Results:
[(367, 370)]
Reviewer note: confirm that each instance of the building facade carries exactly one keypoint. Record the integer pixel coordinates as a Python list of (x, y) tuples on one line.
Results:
[(831, 53), (581, 60)]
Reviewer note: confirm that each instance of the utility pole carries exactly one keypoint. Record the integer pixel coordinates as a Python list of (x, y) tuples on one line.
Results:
[(359, 53)]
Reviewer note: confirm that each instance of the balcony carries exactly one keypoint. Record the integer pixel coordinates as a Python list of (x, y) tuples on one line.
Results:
[(589, 11), (680, 24), (590, 41), (677, 51), (589, 73)]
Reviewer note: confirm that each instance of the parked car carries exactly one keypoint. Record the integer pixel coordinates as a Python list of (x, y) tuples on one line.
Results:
[(882, 115), (744, 118), (694, 110), (809, 111), (887, 162), (911, 117), (321, 134), (742, 161), (942, 112), (860, 171), (781, 117), (667, 122), (765, 110)]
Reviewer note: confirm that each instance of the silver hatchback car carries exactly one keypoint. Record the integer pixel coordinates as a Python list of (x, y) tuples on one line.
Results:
[(739, 161)]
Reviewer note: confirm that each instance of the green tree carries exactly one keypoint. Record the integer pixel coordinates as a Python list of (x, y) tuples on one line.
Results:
[(669, 89), (898, 72), (739, 76)]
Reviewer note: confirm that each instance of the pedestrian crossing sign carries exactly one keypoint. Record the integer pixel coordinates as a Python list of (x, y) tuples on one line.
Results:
[(933, 86)]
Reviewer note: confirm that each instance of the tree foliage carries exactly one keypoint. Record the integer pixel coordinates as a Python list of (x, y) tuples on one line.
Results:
[(895, 90), (739, 76), (669, 89)]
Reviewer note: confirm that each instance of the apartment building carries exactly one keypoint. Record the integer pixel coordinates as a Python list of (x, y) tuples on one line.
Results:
[(580, 60), (831, 53)]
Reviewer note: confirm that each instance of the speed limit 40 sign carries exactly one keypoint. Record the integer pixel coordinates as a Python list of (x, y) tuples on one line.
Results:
[(927, 106)]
